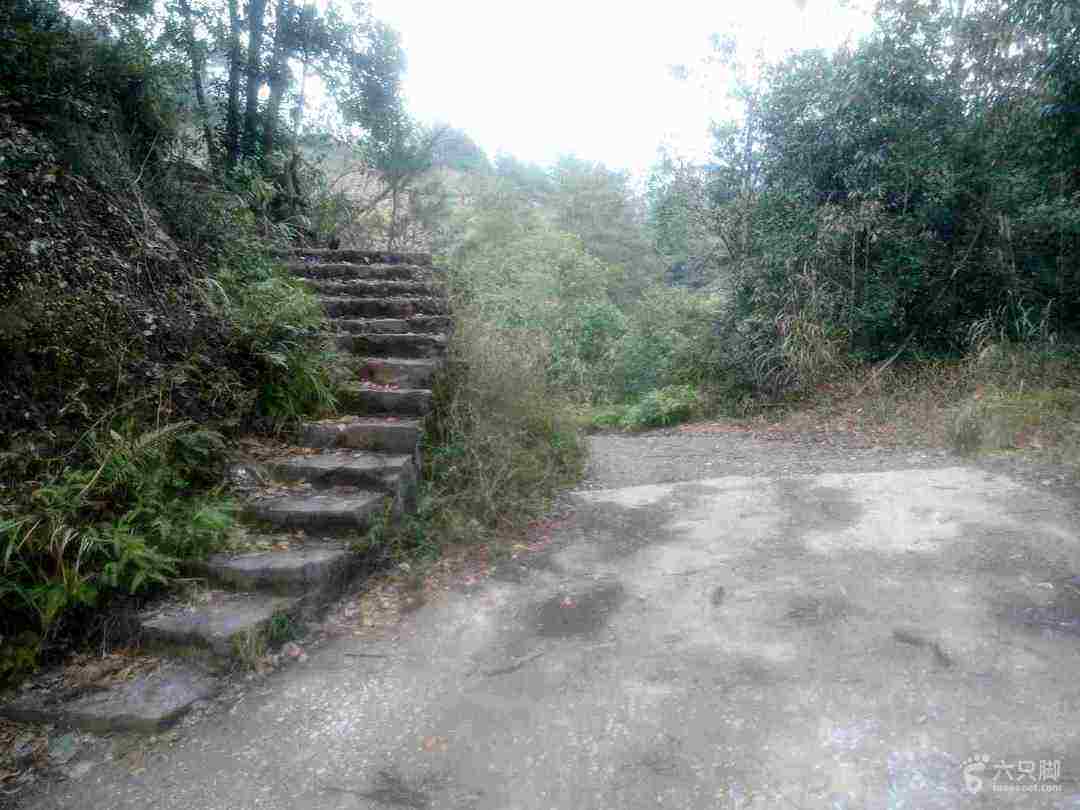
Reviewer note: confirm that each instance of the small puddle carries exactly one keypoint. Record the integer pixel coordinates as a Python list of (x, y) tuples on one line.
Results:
[(578, 614)]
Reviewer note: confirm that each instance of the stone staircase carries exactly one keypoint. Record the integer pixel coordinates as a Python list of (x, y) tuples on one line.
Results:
[(304, 503), (389, 322)]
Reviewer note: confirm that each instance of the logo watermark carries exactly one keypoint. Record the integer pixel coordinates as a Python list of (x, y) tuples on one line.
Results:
[(1017, 776)]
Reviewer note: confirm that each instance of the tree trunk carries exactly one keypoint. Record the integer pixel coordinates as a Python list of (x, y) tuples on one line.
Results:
[(391, 236), (279, 75), (232, 124), (197, 66), (307, 15), (256, 18)]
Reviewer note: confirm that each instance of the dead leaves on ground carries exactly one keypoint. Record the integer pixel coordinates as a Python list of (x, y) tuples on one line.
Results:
[(87, 671)]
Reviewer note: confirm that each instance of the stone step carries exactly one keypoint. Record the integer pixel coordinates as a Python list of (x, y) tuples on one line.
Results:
[(222, 621), (357, 256), (367, 288), (148, 703), (369, 272), (365, 400), (386, 434), (384, 472), (315, 569), (382, 307), (418, 324), (403, 372), (334, 512), (407, 346)]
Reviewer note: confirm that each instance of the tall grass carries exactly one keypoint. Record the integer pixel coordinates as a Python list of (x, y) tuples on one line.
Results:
[(503, 439), (119, 526)]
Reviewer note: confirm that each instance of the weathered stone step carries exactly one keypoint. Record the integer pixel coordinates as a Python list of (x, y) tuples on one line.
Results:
[(418, 324), (382, 307), (357, 256), (221, 621), (386, 434), (363, 399), (403, 372), (313, 569), (365, 288), (352, 510), (384, 472), (409, 346), (370, 272), (150, 702)]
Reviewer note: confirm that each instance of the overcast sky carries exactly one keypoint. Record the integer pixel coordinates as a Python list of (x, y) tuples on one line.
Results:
[(590, 77)]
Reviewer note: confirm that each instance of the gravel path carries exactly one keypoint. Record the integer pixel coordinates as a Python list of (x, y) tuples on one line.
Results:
[(705, 451)]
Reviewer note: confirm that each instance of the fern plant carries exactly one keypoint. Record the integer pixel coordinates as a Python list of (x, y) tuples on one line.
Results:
[(121, 525)]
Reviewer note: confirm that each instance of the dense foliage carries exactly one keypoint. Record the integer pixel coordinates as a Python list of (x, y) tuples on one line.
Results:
[(564, 255), (905, 192)]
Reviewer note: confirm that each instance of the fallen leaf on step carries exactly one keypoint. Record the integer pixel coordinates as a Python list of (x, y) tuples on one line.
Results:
[(434, 744)]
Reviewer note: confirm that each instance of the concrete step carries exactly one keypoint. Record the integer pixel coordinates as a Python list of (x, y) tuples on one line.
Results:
[(407, 346), (344, 510), (367, 288), (220, 621), (315, 569), (357, 256), (149, 702), (403, 372), (369, 272), (382, 307), (385, 434), (418, 324), (383, 472), (364, 400)]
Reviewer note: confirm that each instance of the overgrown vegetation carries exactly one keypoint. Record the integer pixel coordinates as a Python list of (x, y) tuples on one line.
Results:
[(504, 440), (889, 198), (120, 525), (563, 256), (908, 199)]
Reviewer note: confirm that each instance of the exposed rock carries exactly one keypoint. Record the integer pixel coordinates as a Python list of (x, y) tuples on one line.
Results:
[(149, 702)]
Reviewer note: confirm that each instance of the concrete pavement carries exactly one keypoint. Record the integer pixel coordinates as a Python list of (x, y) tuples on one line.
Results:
[(902, 638)]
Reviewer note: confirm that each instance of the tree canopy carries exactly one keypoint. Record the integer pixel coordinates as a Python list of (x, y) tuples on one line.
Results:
[(900, 192)]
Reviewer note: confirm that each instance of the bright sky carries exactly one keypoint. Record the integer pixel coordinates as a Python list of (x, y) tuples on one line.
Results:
[(590, 77)]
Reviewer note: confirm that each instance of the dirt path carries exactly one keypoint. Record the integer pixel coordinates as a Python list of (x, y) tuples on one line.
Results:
[(723, 621)]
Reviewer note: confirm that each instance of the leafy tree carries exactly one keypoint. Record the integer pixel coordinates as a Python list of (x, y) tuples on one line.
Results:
[(456, 150), (600, 207), (896, 193)]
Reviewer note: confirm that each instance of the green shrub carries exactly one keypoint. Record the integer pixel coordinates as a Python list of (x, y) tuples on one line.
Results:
[(18, 656), (417, 536), (545, 281), (669, 340), (662, 407), (280, 324), (283, 628)]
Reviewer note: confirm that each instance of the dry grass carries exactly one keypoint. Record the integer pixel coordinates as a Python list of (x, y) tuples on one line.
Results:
[(502, 440), (1003, 397)]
